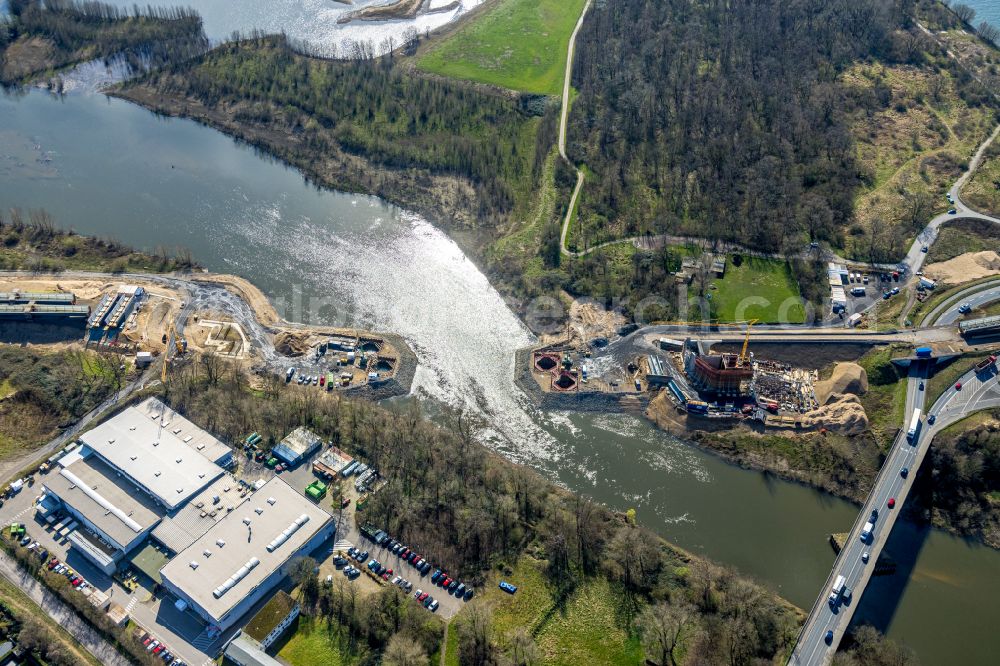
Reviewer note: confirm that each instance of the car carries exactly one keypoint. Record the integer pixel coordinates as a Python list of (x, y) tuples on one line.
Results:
[(468, 593), (419, 564), (158, 649), (921, 387), (166, 656), (425, 568), (924, 248), (965, 308), (419, 595), (339, 562), (958, 386), (931, 418), (147, 640), (460, 590), (894, 291), (829, 637), (396, 580), (905, 472), (952, 211), (408, 585), (428, 601), (453, 586), (886, 295), (373, 564), (874, 515), (354, 573), (891, 503), (362, 556), (446, 582), (433, 606), (389, 571), (322, 380), (385, 576), (405, 553), (25, 540), (352, 551), (152, 646), (507, 587), (435, 575), (864, 557)]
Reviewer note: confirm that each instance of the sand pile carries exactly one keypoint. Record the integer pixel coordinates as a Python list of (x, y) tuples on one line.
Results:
[(844, 414), (291, 344), (846, 378), (965, 267)]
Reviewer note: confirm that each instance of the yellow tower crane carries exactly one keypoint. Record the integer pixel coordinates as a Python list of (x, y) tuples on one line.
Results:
[(744, 357)]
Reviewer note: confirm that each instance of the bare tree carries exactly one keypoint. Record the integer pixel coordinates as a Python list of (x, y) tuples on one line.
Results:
[(664, 628), (964, 12), (402, 650)]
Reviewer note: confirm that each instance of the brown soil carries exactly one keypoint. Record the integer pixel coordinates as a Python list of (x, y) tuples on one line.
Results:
[(26, 56), (846, 378), (292, 344), (844, 415), (401, 9), (965, 267)]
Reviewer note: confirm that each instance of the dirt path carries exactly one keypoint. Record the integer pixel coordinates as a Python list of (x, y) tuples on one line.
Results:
[(562, 135)]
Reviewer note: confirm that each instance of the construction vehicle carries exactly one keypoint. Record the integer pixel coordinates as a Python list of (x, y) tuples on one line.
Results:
[(179, 345), (986, 363)]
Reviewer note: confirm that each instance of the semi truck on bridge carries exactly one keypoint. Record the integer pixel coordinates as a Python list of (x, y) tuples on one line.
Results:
[(914, 425)]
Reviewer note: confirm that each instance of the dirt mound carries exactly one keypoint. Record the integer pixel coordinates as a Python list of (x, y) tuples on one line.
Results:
[(844, 414), (288, 343), (965, 267), (846, 378)]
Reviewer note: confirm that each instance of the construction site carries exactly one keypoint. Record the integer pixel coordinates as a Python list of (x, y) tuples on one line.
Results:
[(688, 373)]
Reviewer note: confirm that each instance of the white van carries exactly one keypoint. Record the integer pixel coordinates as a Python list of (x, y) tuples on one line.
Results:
[(866, 532), (837, 590)]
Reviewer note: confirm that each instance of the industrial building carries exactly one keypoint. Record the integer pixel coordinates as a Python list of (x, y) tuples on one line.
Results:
[(331, 462), (724, 375), (58, 306), (298, 445), (238, 561), (112, 313), (837, 276), (132, 476)]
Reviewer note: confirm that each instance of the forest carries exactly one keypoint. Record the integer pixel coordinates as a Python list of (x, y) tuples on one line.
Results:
[(473, 511), (732, 127), (364, 107), (41, 36)]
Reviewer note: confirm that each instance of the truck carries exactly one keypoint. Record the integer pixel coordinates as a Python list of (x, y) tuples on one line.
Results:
[(697, 407), (837, 590), (858, 291), (854, 319), (866, 532), (924, 352), (986, 363), (927, 283), (914, 425)]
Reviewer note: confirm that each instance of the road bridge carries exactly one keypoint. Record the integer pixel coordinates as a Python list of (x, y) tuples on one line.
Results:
[(826, 624)]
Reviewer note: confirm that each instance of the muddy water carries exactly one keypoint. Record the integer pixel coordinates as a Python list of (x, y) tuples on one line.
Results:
[(108, 168)]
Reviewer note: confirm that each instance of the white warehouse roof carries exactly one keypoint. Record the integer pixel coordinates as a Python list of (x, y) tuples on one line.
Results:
[(243, 549), (151, 451)]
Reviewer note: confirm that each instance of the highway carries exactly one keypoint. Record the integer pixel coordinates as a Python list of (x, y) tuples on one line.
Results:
[(978, 392), (977, 296)]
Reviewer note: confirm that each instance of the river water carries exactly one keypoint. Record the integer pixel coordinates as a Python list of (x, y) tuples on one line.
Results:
[(105, 167)]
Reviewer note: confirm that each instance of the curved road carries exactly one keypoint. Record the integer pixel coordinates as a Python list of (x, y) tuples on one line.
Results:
[(562, 137), (948, 312)]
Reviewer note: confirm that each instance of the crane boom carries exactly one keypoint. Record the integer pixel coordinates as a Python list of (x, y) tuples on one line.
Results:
[(746, 342)]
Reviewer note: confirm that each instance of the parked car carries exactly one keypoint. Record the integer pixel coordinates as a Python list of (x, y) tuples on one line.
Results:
[(418, 593), (339, 562), (397, 580), (428, 601), (425, 568), (468, 593), (25, 540), (453, 586), (433, 606), (446, 582), (460, 590), (952, 211), (362, 556), (405, 553), (435, 576), (507, 587)]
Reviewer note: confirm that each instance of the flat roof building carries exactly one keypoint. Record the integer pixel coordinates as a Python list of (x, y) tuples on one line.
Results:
[(133, 476), (243, 556), (298, 445)]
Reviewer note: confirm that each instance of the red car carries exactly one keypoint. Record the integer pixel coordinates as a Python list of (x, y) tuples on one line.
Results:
[(892, 502), (157, 649), (446, 582), (422, 596), (958, 386), (413, 557), (53, 564), (147, 640)]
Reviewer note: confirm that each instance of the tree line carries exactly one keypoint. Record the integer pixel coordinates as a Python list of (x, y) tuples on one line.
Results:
[(368, 107), (78, 31), (718, 118)]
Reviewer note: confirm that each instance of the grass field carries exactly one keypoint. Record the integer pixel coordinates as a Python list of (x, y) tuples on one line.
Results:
[(519, 44), (583, 631), (757, 289), (982, 192), (315, 644), (964, 236)]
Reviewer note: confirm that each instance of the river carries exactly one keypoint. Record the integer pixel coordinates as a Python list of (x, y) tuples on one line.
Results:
[(106, 167)]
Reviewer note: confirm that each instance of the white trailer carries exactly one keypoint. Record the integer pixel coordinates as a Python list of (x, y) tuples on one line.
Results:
[(914, 425)]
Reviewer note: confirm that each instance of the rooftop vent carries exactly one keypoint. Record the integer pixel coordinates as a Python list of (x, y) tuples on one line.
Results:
[(207, 553), (246, 521), (258, 511), (220, 543), (271, 501), (193, 564), (179, 460), (156, 473)]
